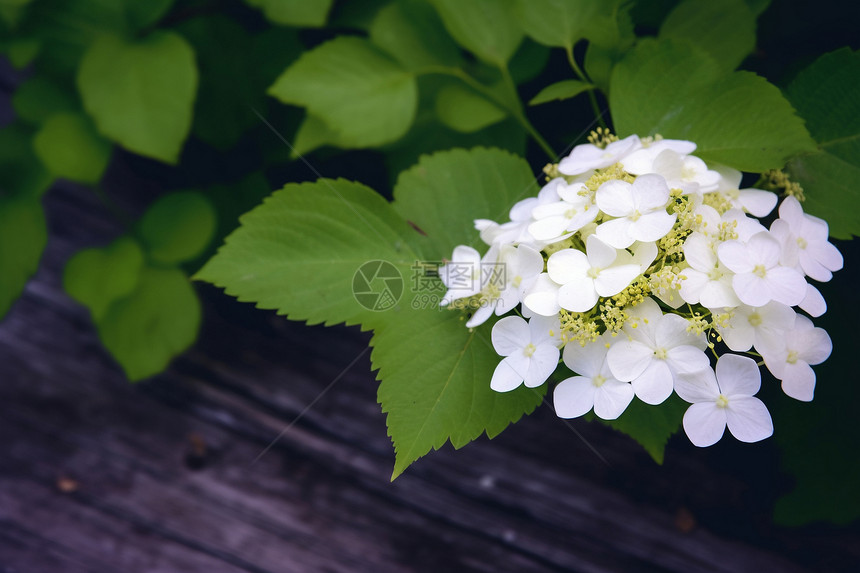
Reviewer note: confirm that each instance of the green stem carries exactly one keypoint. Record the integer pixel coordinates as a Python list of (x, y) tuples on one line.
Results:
[(598, 115), (511, 103)]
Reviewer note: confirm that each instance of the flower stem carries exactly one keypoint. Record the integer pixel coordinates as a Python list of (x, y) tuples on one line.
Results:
[(510, 103), (598, 115)]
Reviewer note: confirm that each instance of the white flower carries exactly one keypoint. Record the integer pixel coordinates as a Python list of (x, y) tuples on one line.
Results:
[(595, 387), (707, 281), (688, 173), (574, 210), (584, 277), (586, 157), (493, 233), (657, 350), (530, 350), (805, 239), (640, 209), (724, 400), (462, 275), (505, 280), (642, 161), (745, 227), (759, 277), (789, 356), (754, 201), (748, 325)]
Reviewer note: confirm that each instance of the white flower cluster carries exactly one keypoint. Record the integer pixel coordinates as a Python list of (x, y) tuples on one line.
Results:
[(635, 260)]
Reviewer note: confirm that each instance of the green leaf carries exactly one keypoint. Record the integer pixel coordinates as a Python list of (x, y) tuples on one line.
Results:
[(724, 29), (70, 148), (23, 236), (142, 13), (159, 320), (178, 227), (41, 97), (562, 23), (487, 28), (98, 277), (529, 61), (312, 134), (827, 96), (447, 191), (22, 51), (462, 109), (435, 385), (303, 13), (429, 135), (364, 96), (411, 32), (674, 89), (21, 172), (298, 252), (562, 90), (230, 90), (141, 94), (651, 426)]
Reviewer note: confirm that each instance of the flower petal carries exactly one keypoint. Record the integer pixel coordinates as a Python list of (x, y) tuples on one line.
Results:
[(573, 397), (615, 232), (586, 360), (786, 285), (748, 420), (612, 280), (542, 297), (698, 386), (627, 359), (507, 376), (757, 202), (735, 256), (612, 399), (615, 198), (737, 375), (705, 424), (798, 381), (578, 295), (655, 384), (813, 302), (652, 226), (542, 364), (567, 265), (510, 334)]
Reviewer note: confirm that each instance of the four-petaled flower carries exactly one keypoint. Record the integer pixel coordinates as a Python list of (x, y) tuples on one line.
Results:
[(530, 350), (595, 387), (724, 399)]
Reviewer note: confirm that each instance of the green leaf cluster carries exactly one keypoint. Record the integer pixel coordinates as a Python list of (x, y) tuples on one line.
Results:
[(140, 300)]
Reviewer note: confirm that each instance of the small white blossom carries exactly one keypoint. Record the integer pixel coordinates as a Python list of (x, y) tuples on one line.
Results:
[(584, 277), (707, 281), (595, 387), (759, 276), (657, 349), (790, 356), (804, 239), (639, 208), (462, 275), (554, 221), (530, 350), (586, 157), (748, 325), (724, 399)]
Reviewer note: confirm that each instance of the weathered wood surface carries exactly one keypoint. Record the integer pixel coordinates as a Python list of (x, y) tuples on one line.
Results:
[(97, 475)]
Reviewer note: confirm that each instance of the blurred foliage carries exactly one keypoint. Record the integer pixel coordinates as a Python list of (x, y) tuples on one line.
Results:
[(220, 99)]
